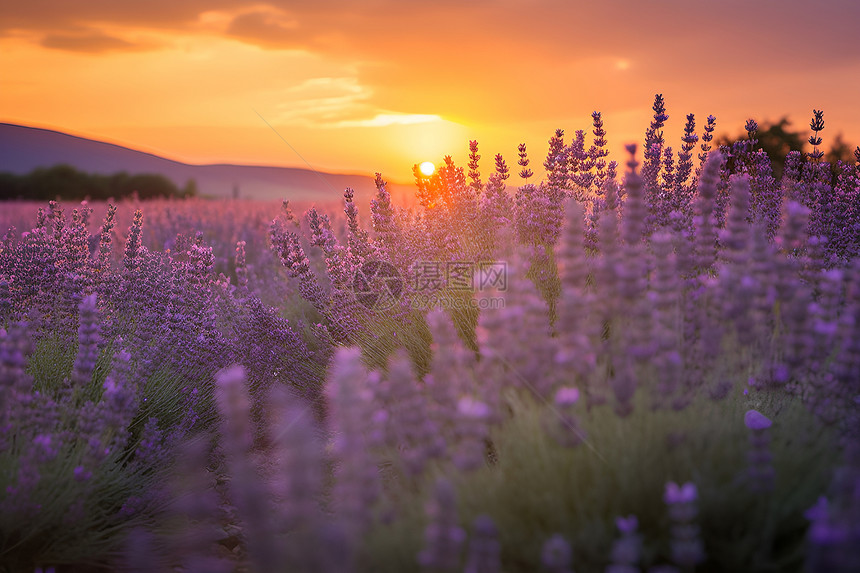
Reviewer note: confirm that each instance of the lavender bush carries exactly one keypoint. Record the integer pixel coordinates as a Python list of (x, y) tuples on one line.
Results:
[(670, 384), (105, 368)]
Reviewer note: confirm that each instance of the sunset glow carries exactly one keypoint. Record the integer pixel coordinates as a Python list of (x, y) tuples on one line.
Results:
[(363, 90), (430, 285)]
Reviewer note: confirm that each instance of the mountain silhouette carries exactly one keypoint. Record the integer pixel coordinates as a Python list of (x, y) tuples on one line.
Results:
[(24, 148)]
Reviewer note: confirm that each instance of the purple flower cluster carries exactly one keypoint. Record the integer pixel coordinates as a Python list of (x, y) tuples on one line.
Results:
[(444, 539), (686, 543), (761, 472), (627, 549), (106, 366), (834, 533), (678, 284), (557, 556)]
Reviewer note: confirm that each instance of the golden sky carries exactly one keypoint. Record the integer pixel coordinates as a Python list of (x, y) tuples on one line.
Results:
[(378, 85)]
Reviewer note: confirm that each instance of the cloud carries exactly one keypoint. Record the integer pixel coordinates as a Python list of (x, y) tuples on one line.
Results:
[(267, 29), (505, 59), (56, 15), (339, 102), (662, 33), (323, 101), (88, 42), (388, 119)]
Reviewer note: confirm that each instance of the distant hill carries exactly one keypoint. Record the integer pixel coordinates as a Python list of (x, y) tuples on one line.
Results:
[(23, 149)]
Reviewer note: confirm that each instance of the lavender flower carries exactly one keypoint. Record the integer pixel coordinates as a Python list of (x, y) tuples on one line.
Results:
[(597, 153), (321, 233), (410, 426), (289, 249), (241, 266), (296, 489), (249, 493), (761, 471), (566, 397), (685, 155), (654, 148), (523, 162), (666, 202), (662, 297), (736, 236), (557, 556), (627, 549), (472, 429), (133, 244), (579, 167), (105, 243), (817, 124), (538, 214), (383, 218), (635, 209), (356, 481), (474, 174), (686, 544), (561, 423), (832, 537), (751, 128), (357, 238), (706, 236), (556, 161), (792, 169), (89, 340), (484, 553), (496, 204), (443, 538), (707, 137)]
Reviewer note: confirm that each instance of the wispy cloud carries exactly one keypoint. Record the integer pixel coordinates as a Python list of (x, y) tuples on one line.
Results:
[(317, 102), (339, 102), (386, 119), (88, 42), (267, 28)]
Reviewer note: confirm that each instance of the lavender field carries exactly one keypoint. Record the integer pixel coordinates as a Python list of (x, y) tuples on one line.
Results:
[(644, 365)]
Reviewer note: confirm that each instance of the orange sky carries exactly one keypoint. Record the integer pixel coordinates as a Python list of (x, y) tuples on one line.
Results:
[(380, 85)]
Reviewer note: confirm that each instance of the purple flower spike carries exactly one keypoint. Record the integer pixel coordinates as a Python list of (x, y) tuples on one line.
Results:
[(680, 494), (627, 524), (557, 555), (627, 549), (443, 536), (469, 407), (686, 542), (566, 397), (819, 511), (82, 474), (755, 420), (761, 471)]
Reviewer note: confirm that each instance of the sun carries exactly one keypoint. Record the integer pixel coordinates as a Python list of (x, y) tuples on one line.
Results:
[(427, 168)]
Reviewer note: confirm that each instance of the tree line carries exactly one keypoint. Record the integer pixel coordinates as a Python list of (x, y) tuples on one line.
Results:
[(67, 183), (777, 139)]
